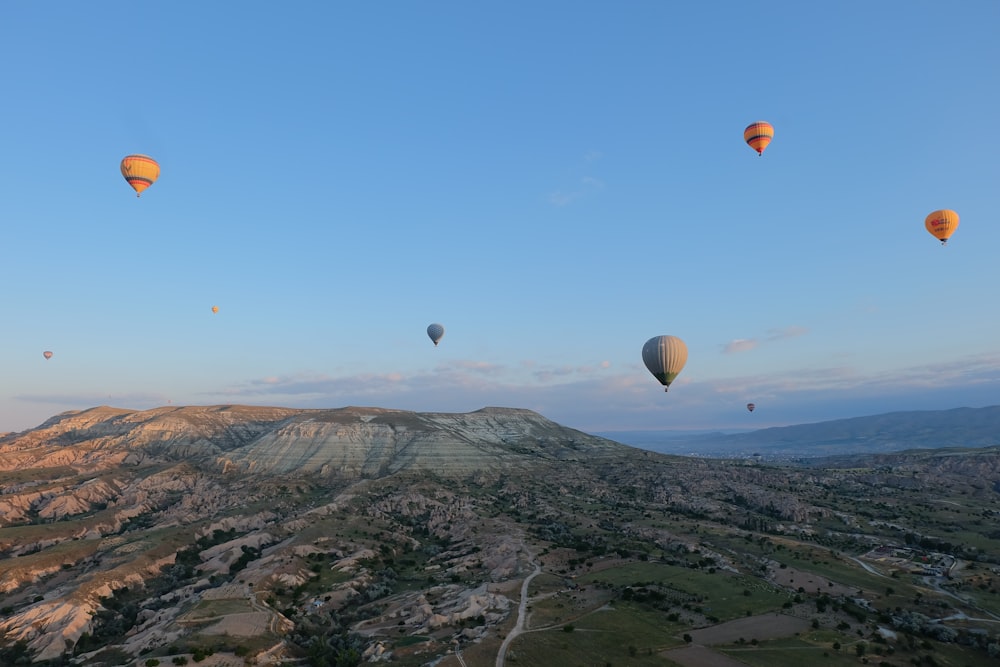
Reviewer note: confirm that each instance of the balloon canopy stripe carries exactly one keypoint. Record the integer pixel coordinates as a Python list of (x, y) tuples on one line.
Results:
[(758, 135), (140, 171)]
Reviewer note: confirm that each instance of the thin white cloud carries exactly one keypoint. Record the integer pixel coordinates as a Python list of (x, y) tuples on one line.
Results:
[(793, 331), (565, 198), (91, 399), (560, 198), (482, 367), (739, 345), (549, 374), (592, 398)]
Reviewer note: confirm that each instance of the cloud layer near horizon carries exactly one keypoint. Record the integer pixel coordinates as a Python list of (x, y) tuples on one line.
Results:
[(601, 398)]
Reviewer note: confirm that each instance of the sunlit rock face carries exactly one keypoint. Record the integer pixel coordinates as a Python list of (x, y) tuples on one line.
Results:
[(369, 442), (103, 500), (349, 442), (215, 524)]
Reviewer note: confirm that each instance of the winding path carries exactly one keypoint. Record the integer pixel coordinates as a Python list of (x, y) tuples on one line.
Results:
[(522, 611)]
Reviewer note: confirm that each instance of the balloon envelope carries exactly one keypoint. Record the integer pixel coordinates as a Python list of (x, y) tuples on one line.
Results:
[(435, 332), (140, 171), (751, 406), (47, 354), (664, 356), (758, 135), (942, 224), (215, 309)]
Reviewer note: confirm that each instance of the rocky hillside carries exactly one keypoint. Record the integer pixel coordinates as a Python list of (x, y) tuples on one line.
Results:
[(115, 496), (348, 442), (365, 534)]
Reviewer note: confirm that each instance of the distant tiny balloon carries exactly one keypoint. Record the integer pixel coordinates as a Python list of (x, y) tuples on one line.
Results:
[(47, 354), (435, 332), (215, 309), (751, 406)]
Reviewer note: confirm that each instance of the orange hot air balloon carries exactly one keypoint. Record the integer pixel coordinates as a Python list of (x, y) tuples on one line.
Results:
[(758, 135), (47, 354), (215, 309), (140, 171), (942, 224)]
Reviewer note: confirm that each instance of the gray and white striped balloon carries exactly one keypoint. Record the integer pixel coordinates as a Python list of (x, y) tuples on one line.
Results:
[(664, 356)]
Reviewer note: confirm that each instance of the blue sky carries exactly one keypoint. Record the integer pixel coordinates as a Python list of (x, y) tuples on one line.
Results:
[(554, 182)]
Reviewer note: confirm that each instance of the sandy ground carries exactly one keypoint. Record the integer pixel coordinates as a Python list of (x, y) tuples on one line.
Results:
[(789, 577), (701, 656), (765, 626), (249, 624)]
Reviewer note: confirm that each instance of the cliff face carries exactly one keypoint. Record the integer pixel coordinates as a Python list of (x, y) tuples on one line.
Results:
[(99, 501), (367, 442), (347, 442)]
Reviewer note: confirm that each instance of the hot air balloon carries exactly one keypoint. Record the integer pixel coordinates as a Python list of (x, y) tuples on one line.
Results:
[(942, 224), (758, 135), (215, 309), (751, 406), (47, 354), (140, 171), (664, 356), (436, 332)]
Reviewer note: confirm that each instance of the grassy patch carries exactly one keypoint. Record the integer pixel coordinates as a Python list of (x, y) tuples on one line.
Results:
[(791, 653), (721, 595), (411, 640), (847, 573), (214, 608), (619, 634), (566, 606)]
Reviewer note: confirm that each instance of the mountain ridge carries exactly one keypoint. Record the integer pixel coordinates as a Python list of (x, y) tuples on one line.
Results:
[(885, 432), (351, 441)]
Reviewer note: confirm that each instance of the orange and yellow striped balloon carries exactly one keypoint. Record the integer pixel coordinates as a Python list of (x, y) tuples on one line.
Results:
[(942, 224), (758, 135), (140, 171)]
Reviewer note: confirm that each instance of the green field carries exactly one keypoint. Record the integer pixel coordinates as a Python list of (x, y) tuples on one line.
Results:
[(792, 653), (722, 595), (615, 634)]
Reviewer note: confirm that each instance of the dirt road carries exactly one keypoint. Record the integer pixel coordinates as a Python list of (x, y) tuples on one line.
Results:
[(522, 611)]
